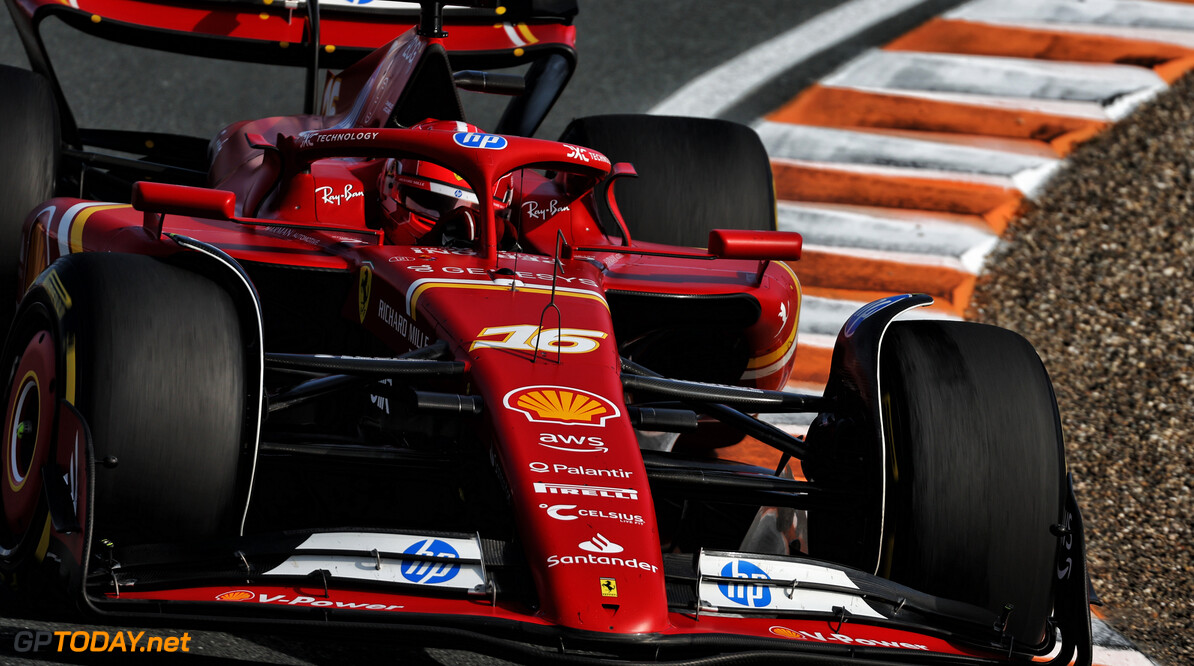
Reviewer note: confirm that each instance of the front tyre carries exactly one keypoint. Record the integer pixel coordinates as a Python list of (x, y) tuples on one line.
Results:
[(975, 469), (151, 356)]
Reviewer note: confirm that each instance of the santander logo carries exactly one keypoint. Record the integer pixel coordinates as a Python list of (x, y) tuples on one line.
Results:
[(600, 544)]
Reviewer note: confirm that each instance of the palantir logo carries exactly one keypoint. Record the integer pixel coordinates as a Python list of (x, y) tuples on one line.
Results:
[(430, 573), (745, 594), (479, 140)]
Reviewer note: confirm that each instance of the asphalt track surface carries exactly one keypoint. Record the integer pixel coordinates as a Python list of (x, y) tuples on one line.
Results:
[(633, 55)]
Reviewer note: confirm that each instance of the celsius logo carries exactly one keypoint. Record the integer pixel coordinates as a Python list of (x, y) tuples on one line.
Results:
[(479, 140), (599, 544), (557, 511), (745, 594), (430, 573)]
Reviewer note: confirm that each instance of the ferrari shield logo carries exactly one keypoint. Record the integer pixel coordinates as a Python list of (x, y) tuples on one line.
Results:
[(364, 284), (609, 587)]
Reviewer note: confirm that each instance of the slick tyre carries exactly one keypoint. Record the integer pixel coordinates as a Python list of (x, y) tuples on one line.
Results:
[(694, 175), (28, 167), (151, 356), (975, 469)]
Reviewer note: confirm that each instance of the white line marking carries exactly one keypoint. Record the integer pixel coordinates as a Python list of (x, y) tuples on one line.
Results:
[(819, 144), (711, 93), (1177, 37), (1112, 13), (921, 234), (996, 76), (1120, 657), (1086, 110), (822, 318), (899, 172)]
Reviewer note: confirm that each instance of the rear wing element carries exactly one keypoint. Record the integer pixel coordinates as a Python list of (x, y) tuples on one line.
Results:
[(333, 34)]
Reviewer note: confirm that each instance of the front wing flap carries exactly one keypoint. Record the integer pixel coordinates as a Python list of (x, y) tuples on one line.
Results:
[(440, 587)]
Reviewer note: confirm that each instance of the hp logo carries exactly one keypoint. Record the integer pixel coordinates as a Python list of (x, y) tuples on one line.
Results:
[(479, 140), (430, 573), (745, 594)]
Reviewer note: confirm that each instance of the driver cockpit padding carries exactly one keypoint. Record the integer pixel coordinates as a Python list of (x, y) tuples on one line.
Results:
[(430, 93)]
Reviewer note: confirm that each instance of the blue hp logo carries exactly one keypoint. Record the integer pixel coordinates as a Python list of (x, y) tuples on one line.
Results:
[(745, 594), (430, 573), (479, 140)]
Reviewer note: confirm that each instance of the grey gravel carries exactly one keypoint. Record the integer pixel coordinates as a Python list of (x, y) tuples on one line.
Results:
[(1100, 277)]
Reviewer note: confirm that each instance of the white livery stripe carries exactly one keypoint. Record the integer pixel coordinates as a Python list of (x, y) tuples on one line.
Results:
[(459, 565), (405, 572), (773, 367), (468, 549), (64, 225), (512, 33)]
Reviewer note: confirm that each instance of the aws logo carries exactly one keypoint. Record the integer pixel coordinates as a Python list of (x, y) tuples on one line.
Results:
[(573, 443), (558, 404)]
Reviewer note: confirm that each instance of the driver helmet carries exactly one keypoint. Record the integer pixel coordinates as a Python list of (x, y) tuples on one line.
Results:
[(416, 195)]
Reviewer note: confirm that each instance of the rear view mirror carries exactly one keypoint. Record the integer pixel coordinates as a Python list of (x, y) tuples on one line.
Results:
[(182, 200), (749, 244)]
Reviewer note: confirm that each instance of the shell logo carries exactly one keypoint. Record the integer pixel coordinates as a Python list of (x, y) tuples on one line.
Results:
[(235, 595), (785, 632), (559, 404)]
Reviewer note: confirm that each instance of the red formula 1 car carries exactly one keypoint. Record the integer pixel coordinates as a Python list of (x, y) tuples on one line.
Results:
[(373, 368)]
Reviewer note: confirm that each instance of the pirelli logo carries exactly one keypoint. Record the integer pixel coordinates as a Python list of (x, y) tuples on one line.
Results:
[(585, 491), (58, 294)]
